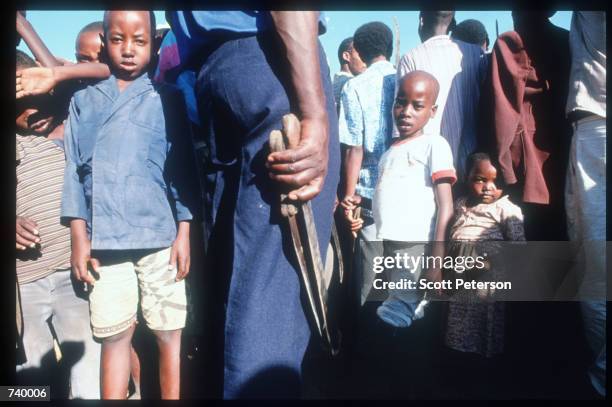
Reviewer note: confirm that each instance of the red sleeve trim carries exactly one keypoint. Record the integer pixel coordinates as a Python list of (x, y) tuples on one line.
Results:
[(438, 175)]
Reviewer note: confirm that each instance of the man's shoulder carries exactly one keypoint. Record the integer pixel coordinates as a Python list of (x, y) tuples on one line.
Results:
[(443, 43), (364, 80)]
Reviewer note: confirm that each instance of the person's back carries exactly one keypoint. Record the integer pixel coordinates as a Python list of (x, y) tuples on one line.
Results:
[(242, 97), (459, 68), (375, 124), (366, 121), (365, 127), (585, 189), (350, 65)]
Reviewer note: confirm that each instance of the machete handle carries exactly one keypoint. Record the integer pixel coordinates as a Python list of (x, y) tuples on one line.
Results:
[(356, 215), (278, 144), (291, 130)]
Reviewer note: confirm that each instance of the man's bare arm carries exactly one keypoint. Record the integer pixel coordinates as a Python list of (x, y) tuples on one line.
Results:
[(353, 156), (37, 81), (303, 169), (35, 43)]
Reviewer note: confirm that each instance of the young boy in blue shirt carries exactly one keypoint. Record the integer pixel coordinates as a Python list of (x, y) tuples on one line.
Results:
[(129, 193)]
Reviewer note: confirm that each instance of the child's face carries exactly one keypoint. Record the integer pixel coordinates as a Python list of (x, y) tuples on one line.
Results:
[(34, 115), (128, 43), (482, 182), (414, 106), (88, 47)]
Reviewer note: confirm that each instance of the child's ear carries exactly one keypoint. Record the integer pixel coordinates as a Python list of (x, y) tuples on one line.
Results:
[(434, 109), (102, 39)]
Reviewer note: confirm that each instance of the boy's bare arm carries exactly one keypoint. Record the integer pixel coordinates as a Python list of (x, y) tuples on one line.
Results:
[(180, 254), (444, 203), (81, 252), (35, 43), (37, 81), (353, 158), (303, 168)]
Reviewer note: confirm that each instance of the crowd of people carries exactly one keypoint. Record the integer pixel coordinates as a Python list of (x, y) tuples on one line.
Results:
[(146, 165)]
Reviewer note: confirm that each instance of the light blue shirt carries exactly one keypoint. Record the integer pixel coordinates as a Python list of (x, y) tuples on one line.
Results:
[(130, 169), (366, 119)]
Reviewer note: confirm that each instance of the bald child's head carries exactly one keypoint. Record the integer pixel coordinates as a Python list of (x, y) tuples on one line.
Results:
[(88, 43), (415, 102)]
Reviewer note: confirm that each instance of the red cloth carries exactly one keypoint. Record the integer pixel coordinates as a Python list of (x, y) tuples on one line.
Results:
[(514, 81)]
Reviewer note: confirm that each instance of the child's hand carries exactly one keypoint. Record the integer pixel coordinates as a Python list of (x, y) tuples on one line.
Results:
[(34, 81), (355, 225), (27, 233), (180, 252), (81, 255), (349, 203)]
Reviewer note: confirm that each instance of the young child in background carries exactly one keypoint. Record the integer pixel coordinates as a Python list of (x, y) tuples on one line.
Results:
[(475, 326), (130, 222), (413, 199), (52, 307), (88, 44), (481, 216)]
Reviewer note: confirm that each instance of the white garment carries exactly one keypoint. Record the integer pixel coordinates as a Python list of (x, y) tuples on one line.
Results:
[(587, 85), (404, 203), (585, 203), (460, 69)]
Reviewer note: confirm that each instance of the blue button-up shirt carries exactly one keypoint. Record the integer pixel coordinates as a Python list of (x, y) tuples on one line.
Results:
[(130, 170), (366, 119), (199, 32)]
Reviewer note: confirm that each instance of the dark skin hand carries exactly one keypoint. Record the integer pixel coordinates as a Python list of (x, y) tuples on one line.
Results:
[(353, 158), (81, 252), (27, 233), (180, 252), (302, 170)]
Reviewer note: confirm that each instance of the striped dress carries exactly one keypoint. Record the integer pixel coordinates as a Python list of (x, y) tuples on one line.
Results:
[(40, 175)]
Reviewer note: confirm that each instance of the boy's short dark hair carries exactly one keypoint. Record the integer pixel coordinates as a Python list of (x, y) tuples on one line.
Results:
[(345, 46), (23, 61), (151, 20), (372, 40), (471, 31), (474, 158)]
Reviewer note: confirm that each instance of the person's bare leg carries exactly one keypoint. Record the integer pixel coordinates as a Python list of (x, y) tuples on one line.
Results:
[(135, 372), (169, 344), (115, 366)]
